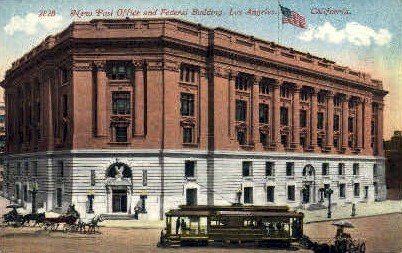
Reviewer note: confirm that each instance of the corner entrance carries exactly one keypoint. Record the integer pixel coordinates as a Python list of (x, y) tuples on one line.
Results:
[(119, 201)]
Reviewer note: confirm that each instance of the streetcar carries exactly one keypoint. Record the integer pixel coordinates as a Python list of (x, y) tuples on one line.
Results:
[(232, 224)]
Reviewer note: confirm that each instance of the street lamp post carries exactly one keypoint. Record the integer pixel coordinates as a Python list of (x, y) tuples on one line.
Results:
[(328, 192), (34, 191)]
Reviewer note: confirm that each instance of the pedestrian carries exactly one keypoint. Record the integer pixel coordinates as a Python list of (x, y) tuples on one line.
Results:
[(177, 225), (183, 226)]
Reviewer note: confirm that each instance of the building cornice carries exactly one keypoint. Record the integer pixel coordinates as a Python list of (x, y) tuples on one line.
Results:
[(224, 41)]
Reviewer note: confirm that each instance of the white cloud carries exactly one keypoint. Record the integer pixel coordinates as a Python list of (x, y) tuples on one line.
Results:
[(353, 32), (31, 23)]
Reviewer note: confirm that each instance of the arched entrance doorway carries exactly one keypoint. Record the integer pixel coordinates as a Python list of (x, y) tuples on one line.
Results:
[(119, 188), (308, 191)]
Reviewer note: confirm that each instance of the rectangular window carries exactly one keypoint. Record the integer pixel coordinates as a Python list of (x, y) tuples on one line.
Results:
[(90, 203), (337, 101), (121, 134), (93, 177), (144, 177), (284, 91), (243, 81), (355, 169), (321, 98), (26, 169), (320, 120), (303, 141), (263, 138), (336, 122), (341, 169), (17, 191), (59, 197), (342, 191), (290, 169), (264, 87), (350, 124), (25, 189), (303, 118), (248, 195), (325, 169), (65, 105), (187, 104), (19, 171), (187, 74), (304, 95), (119, 70), (284, 116), (241, 110), (187, 135), (189, 169), (269, 169), (375, 170), (121, 102), (336, 143), (60, 173), (263, 113), (64, 75), (191, 197), (284, 140), (241, 137), (270, 193), (35, 168), (291, 192), (356, 190), (143, 199), (247, 170)]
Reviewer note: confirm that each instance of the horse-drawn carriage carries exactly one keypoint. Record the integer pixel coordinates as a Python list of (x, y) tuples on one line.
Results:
[(70, 221)]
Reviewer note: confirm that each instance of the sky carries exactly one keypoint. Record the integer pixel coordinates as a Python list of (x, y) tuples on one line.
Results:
[(365, 35)]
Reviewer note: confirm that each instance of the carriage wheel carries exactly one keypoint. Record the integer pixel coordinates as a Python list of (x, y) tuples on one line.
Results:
[(66, 228)]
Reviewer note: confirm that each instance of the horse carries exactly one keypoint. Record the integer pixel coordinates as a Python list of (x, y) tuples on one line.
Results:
[(37, 217), (93, 224)]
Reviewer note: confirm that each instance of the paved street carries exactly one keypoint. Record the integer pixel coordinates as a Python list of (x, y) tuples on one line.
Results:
[(381, 233)]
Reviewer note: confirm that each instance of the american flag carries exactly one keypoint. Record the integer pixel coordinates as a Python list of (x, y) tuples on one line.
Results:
[(292, 17)]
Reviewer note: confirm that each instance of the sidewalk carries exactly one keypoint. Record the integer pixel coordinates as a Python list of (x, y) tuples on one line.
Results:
[(338, 212), (345, 211)]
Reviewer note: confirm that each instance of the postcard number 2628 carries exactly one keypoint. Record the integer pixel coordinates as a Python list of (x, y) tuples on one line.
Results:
[(47, 13)]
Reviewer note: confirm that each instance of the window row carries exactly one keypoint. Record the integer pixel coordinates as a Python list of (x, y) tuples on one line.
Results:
[(291, 192), (290, 166)]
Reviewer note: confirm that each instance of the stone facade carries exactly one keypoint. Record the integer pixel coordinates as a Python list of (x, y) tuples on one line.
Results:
[(137, 116)]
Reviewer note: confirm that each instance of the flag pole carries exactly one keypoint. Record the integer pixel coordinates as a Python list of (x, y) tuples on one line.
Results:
[(279, 9)]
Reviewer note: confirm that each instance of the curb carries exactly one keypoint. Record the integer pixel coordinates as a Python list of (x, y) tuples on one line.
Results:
[(351, 218)]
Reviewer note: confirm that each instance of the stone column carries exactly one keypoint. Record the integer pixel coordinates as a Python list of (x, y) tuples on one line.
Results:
[(232, 105), (255, 113), (276, 124), (139, 99), (48, 114), (296, 119), (101, 99), (345, 130), (368, 150), (380, 123), (359, 125), (313, 120), (330, 121)]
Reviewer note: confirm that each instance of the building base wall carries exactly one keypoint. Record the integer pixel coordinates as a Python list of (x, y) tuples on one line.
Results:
[(158, 179)]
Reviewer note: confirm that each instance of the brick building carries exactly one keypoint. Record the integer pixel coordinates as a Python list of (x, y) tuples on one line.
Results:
[(141, 115), (393, 168)]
